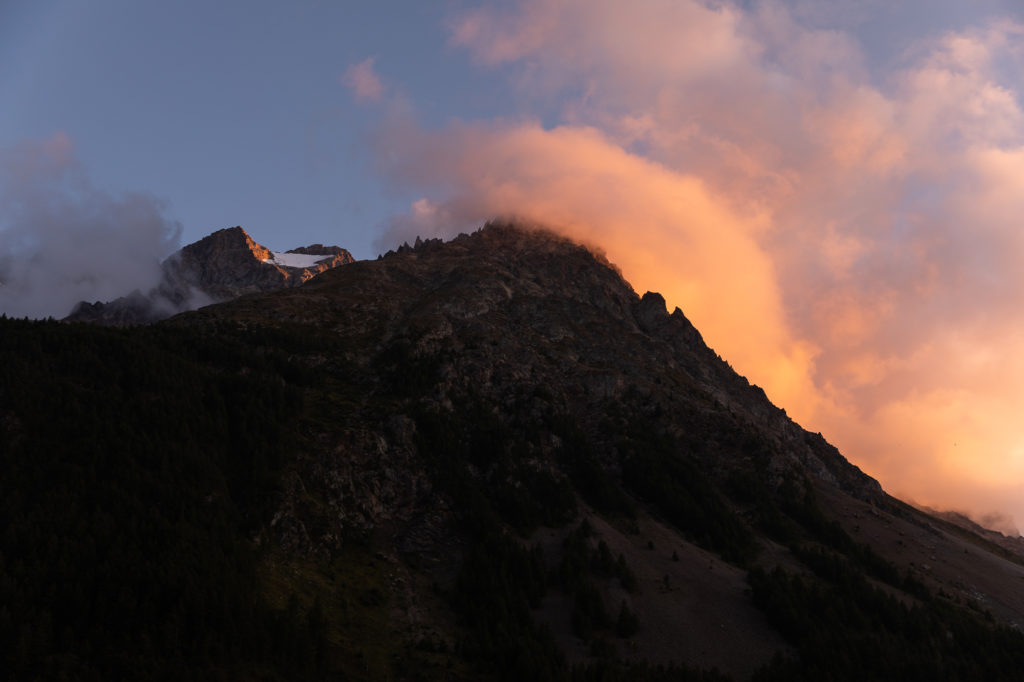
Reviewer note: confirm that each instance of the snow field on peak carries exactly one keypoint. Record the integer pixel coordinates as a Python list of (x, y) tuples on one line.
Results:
[(296, 260)]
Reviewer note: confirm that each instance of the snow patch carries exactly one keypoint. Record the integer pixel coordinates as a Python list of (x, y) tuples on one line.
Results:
[(296, 260)]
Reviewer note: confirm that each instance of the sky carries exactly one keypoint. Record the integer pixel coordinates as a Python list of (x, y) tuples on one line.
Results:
[(831, 190)]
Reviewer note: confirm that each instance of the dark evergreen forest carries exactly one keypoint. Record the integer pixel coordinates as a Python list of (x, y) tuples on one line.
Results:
[(134, 466), (138, 467)]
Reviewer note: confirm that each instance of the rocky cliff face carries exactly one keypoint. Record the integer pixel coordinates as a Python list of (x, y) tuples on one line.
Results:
[(219, 267)]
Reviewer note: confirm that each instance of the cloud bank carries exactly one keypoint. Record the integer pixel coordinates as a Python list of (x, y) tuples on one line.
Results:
[(63, 241), (848, 236)]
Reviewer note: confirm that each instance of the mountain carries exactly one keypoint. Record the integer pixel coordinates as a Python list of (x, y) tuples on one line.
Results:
[(219, 267), (481, 459)]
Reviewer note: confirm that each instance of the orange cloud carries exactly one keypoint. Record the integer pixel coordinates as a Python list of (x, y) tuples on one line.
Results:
[(667, 231), (849, 242)]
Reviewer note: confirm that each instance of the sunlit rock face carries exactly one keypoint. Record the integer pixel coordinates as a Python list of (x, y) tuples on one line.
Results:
[(222, 266)]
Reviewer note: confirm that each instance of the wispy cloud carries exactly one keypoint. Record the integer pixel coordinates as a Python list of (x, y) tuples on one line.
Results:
[(848, 238), (363, 81), (63, 241)]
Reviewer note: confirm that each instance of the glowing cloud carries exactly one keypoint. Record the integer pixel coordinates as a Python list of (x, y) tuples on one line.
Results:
[(667, 231)]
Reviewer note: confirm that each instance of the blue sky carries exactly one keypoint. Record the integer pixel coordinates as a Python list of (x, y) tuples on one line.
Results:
[(232, 112)]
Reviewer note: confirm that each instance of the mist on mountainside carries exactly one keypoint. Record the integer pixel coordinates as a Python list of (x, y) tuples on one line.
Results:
[(63, 240)]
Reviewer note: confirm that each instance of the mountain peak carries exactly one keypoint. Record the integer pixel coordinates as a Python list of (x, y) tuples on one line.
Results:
[(223, 265), (229, 239)]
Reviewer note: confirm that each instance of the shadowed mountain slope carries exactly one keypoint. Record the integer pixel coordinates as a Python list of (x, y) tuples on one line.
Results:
[(487, 458)]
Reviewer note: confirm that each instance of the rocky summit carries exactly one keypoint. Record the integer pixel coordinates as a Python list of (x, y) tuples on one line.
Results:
[(487, 458), (219, 267)]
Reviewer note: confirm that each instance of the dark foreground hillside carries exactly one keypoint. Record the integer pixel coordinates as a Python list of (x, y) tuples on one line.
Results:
[(481, 459)]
